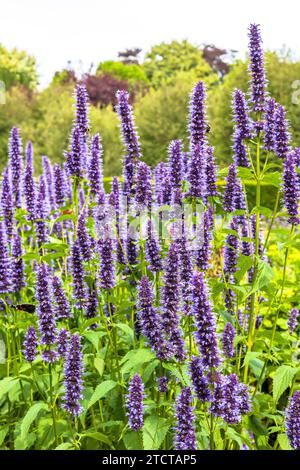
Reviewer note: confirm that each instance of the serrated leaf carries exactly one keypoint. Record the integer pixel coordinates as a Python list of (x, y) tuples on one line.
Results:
[(101, 390), (282, 380), (127, 330), (181, 375), (154, 432), (30, 416), (133, 441)]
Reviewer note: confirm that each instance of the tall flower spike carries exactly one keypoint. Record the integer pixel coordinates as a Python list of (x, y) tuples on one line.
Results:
[(47, 326), (30, 344), (42, 211), (107, 271), (256, 69), (29, 186), (59, 186), (211, 170), (79, 288), (143, 190), (48, 174), (82, 117), (197, 120), (269, 127), (185, 436), (175, 163), (150, 321), (186, 272), (129, 133), (228, 339), (292, 322), (241, 114), (170, 303), (134, 402), (231, 412), (231, 251), (62, 342), (291, 188), (282, 135), (292, 421), (62, 307), (5, 263), (91, 306), (153, 254), (199, 380), (18, 278), (95, 171), (240, 153), (230, 190), (205, 322), (7, 209), (197, 173), (16, 164), (204, 252), (73, 372), (83, 238), (75, 156)]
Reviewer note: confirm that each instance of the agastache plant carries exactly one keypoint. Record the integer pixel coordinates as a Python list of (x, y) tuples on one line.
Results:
[(16, 164)]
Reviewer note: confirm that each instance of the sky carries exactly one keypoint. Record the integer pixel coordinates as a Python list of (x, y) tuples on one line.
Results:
[(90, 31)]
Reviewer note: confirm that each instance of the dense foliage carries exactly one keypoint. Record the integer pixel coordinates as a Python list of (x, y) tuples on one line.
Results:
[(159, 310)]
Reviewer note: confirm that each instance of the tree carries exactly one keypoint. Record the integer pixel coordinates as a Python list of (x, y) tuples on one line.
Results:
[(131, 72), (17, 68), (102, 89)]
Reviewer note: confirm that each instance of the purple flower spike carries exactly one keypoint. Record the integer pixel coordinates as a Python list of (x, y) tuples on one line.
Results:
[(292, 322), (198, 123), (42, 211), (48, 174), (185, 436), (16, 164), (5, 263), (30, 345), (143, 191), (79, 288), (83, 238), (211, 170), (269, 127), (18, 278), (45, 312), (91, 307), (291, 188), (62, 342), (204, 252), (107, 271), (62, 307), (230, 189), (205, 322), (197, 173), (95, 171), (82, 118), (231, 251), (241, 114), (163, 384), (153, 254), (282, 135), (175, 163), (135, 403), (170, 302), (186, 272), (73, 372), (150, 321), (244, 399), (29, 186), (59, 186), (292, 421), (256, 69), (199, 380), (7, 209), (129, 133), (228, 339), (75, 156), (240, 152), (231, 412)]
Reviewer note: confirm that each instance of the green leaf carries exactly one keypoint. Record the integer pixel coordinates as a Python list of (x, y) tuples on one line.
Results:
[(244, 264), (101, 390), (98, 436), (3, 432), (127, 330), (282, 380), (94, 337), (65, 446), (99, 365), (133, 441), (283, 442), (136, 358), (181, 375), (6, 385), (23, 443), (30, 416), (154, 432)]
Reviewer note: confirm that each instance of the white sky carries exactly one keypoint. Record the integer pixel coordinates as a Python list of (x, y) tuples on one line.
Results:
[(56, 31)]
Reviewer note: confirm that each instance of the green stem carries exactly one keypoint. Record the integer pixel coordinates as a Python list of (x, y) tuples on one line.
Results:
[(52, 404)]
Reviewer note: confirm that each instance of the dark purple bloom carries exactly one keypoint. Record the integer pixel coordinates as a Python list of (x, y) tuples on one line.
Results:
[(29, 186), (16, 164), (62, 342), (45, 312), (153, 254), (62, 307), (175, 163), (217, 404), (129, 133), (291, 188), (170, 302), (83, 238), (197, 173), (204, 252), (199, 380), (82, 118), (231, 412), (131, 251), (240, 151), (228, 339), (240, 202), (211, 179), (42, 211), (269, 126), (230, 190), (150, 321), (48, 174), (75, 156), (256, 69), (95, 171), (135, 403), (163, 189), (163, 384), (30, 344), (197, 120), (91, 306), (292, 421), (282, 135), (186, 272), (5, 263), (73, 372), (18, 278), (79, 288), (231, 251), (7, 209), (292, 322), (244, 399), (241, 114), (185, 436), (205, 322), (107, 271), (143, 190), (60, 185)]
